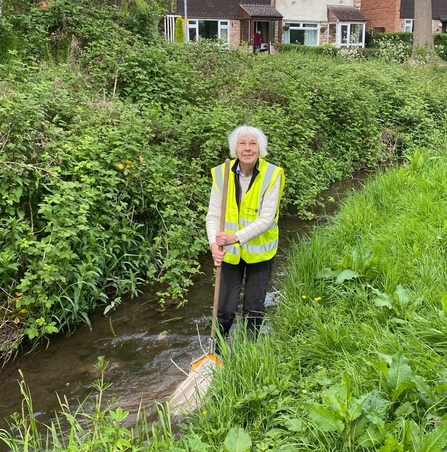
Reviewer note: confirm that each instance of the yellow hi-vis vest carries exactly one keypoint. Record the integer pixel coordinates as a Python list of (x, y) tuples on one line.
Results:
[(265, 246)]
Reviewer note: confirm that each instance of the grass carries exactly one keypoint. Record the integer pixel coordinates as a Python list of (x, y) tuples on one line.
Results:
[(356, 357)]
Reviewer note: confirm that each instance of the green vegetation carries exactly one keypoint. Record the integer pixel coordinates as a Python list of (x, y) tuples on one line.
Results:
[(355, 360), (179, 34), (106, 156), (107, 137)]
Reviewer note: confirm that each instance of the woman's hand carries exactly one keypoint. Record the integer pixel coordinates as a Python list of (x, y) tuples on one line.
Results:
[(218, 254), (224, 239)]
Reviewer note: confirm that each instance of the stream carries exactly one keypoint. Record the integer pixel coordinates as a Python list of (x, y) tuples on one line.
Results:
[(148, 350)]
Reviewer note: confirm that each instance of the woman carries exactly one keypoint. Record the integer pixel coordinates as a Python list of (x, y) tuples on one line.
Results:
[(250, 239)]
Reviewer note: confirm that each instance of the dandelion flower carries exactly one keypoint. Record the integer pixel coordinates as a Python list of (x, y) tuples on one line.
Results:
[(317, 299), (141, 158), (204, 412), (303, 297), (120, 166), (129, 163)]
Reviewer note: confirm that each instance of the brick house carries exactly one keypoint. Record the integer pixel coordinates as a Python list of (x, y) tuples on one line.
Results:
[(305, 22), (398, 15), (343, 23), (317, 22), (231, 21)]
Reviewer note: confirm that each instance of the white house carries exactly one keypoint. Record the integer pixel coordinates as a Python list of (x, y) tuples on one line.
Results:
[(317, 22)]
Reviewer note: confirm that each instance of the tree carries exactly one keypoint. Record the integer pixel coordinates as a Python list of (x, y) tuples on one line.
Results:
[(423, 33), (179, 34)]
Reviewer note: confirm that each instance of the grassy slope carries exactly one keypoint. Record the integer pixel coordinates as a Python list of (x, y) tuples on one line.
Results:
[(357, 357)]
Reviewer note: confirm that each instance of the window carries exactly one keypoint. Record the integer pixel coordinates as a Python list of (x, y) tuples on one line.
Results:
[(350, 35), (208, 29), (305, 34), (408, 25)]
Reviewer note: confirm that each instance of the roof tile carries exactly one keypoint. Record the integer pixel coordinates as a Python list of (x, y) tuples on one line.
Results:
[(345, 13)]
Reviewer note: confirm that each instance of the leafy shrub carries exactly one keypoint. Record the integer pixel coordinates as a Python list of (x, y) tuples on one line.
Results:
[(179, 34), (107, 160), (393, 49), (440, 42), (406, 37)]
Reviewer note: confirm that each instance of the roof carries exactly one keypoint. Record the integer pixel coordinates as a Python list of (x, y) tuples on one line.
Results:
[(261, 11), (439, 8), (215, 9), (345, 14)]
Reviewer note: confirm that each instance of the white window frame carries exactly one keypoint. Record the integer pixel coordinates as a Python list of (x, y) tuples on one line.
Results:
[(306, 26), (408, 25), (349, 41), (169, 25), (222, 26)]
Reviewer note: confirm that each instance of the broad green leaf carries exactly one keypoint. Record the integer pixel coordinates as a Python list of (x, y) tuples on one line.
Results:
[(404, 386), (197, 446), (358, 427), (237, 440), (356, 407), (391, 445), (381, 366), (336, 397), (399, 372), (324, 418), (346, 275), (404, 410), (293, 424), (384, 300), (402, 295), (326, 273), (423, 387), (435, 441), (370, 437), (375, 408), (339, 396)]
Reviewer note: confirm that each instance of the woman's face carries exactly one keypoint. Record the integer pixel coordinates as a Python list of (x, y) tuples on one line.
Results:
[(247, 150)]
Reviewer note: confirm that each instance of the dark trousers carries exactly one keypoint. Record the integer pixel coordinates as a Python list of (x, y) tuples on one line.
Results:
[(257, 277)]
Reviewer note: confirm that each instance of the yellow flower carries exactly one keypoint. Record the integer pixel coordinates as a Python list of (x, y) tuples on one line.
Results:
[(303, 297), (141, 158), (19, 294), (317, 299), (205, 412), (120, 166), (129, 163), (23, 311)]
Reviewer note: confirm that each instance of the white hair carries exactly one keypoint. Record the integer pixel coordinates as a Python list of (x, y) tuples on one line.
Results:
[(251, 132)]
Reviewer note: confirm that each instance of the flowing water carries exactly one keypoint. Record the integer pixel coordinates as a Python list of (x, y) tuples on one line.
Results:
[(147, 349)]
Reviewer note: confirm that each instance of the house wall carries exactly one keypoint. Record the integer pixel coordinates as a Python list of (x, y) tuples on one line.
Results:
[(309, 10), (235, 33), (382, 13)]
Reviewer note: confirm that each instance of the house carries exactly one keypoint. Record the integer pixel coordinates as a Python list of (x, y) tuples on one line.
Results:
[(305, 22), (232, 21), (398, 15), (318, 22)]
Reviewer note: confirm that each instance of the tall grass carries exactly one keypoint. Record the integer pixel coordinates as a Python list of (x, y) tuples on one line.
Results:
[(356, 357), (84, 428)]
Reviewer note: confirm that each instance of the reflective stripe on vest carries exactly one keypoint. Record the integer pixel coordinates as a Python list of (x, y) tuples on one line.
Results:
[(265, 246)]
